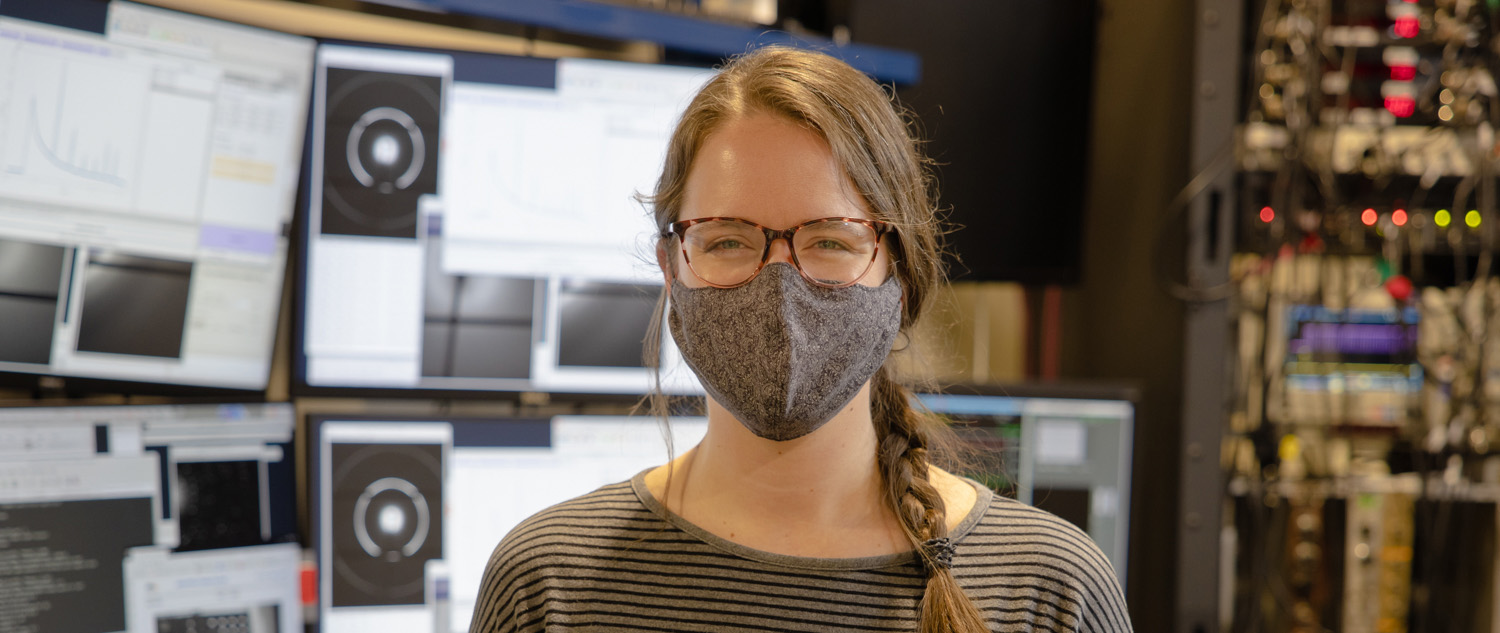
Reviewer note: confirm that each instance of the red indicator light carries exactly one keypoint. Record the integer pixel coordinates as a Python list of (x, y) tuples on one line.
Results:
[(1267, 214), (1401, 105), (1407, 26), (309, 580), (1399, 287), (1403, 73), (1399, 217), (1368, 217)]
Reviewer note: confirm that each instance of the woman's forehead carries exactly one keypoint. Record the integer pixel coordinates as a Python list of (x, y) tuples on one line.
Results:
[(770, 170)]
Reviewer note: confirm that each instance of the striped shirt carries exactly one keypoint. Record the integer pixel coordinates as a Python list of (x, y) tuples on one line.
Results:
[(617, 560)]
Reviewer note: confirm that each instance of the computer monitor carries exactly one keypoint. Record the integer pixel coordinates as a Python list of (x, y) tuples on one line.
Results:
[(472, 227), (406, 511), (148, 518), (1065, 449), (148, 173)]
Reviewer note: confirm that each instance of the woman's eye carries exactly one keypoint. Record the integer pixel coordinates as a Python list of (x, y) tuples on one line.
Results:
[(830, 244), (726, 245)]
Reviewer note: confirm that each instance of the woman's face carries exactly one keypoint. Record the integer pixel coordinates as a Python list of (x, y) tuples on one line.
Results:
[(766, 169)]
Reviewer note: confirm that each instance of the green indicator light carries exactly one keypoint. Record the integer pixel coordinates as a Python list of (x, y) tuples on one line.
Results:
[(1442, 218), (1472, 218)]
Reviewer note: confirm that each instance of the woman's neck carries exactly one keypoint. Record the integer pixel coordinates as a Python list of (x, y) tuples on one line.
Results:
[(818, 495)]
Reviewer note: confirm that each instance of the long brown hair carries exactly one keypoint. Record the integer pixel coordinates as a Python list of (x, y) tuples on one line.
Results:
[(874, 144)]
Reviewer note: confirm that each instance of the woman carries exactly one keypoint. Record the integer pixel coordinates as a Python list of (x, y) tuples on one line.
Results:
[(798, 238)]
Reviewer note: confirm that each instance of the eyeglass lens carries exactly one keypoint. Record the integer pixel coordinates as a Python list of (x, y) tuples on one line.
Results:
[(831, 252)]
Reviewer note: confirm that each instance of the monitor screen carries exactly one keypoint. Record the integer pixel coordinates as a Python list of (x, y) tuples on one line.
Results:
[(148, 518), (407, 511), (149, 162), (1064, 450), (472, 226)]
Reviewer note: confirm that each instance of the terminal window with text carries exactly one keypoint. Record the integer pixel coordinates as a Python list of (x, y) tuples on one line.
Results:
[(161, 519)]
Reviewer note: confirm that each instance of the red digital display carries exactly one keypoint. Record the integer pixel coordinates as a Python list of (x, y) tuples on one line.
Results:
[(1401, 105), (1407, 26)]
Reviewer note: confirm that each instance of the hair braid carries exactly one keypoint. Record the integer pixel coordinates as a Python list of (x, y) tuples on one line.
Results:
[(903, 460)]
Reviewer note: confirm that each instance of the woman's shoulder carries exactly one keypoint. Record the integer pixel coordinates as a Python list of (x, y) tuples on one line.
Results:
[(1014, 532), (569, 530), (1009, 518), (1015, 545), (580, 521)]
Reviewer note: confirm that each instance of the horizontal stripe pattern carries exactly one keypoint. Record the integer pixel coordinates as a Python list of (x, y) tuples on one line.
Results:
[(615, 560)]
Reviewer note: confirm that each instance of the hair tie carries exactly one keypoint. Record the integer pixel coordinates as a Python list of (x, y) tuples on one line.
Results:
[(938, 552)]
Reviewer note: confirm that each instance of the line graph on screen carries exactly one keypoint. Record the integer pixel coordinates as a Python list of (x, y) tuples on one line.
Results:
[(73, 127)]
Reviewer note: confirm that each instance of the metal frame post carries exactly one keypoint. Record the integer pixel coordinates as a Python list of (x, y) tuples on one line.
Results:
[(1218, 30)]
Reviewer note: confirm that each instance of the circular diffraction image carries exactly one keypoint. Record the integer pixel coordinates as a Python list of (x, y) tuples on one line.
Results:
[(386, 516), (380, 150), (386, 150)]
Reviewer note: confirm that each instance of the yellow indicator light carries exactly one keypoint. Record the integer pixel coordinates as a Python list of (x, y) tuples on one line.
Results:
[(1472, 218), (1442, 218), (1290, 449)]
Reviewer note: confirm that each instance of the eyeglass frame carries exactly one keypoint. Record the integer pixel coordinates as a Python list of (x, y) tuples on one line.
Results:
[(677, 229)]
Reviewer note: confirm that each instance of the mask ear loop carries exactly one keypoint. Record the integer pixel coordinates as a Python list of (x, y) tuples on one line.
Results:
[(905, 345)]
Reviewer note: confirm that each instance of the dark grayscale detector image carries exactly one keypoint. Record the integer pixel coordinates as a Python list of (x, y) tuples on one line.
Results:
[(552, 316)]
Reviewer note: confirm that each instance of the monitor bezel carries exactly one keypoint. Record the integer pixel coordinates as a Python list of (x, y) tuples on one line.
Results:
[(1111, 391)]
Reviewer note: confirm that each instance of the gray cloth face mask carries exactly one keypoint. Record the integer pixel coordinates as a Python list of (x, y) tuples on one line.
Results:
[(781, 354)]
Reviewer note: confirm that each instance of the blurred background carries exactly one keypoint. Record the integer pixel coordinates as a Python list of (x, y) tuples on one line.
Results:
[(291, 291)]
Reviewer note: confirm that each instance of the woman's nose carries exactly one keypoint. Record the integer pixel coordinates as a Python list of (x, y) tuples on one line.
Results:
[(781, 251)]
